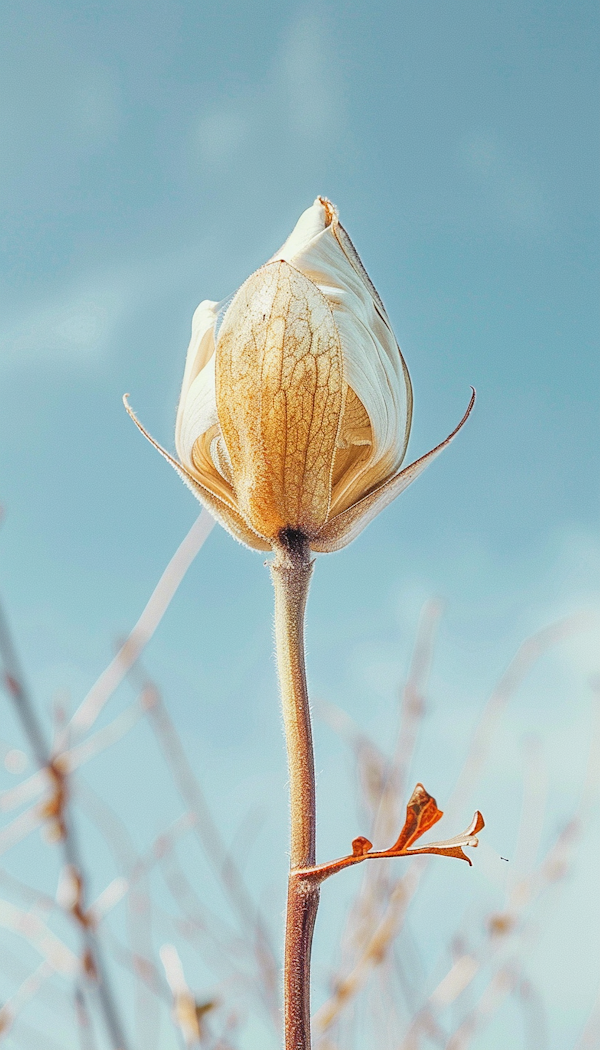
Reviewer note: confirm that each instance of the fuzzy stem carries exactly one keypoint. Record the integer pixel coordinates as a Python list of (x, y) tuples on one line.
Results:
[(291, 572)]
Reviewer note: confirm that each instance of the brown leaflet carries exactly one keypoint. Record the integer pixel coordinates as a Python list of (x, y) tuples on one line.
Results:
[(421, 814)]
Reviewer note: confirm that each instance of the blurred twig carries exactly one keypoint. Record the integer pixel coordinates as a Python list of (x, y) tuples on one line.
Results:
[(504, 926), (526, 656), (213, 846), (90, 707), (57, 812), (375, 918)]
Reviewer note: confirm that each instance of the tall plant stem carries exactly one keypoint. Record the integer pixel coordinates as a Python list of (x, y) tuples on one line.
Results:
[(291, 572)]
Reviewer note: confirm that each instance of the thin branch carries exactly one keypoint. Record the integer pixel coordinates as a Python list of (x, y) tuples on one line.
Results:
[(14, 681), (382, 935), (89, 709), (383, 782), (138, 911), (590, 1036), (69, 760), (30, 926), (526, 656), (26, 991), (212, 844), (34, 785), (84, 1021), (56, 812), (421, 814), (20, 828)]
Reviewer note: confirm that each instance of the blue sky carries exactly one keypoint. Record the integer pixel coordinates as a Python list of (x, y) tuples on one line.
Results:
[(154, 155)]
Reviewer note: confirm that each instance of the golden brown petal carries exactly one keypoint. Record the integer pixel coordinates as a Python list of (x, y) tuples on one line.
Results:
[(352, 454), (280, 392), (205, 470)]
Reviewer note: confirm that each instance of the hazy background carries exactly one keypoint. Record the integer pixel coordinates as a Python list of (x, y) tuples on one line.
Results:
[(153, 155)]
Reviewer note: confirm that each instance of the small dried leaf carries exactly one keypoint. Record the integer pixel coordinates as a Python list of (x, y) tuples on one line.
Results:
[(360, 846), (421, 814), (454, 847)]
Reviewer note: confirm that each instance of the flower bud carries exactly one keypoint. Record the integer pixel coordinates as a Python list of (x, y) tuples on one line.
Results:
[(296, 403)]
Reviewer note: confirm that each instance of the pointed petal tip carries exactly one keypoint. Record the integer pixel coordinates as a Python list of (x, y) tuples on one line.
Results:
[(478, 824), (331, 211), (129, 409), (454, 847), (346, 526), (226, 515)]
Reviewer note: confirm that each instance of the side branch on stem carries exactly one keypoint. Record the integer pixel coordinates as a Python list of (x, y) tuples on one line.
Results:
[(421, 814)]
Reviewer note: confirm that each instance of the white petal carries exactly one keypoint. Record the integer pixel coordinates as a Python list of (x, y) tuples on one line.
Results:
[(200, 351), (197, 414), (312, 222), (220, 458), (466, 838), (374, 367)]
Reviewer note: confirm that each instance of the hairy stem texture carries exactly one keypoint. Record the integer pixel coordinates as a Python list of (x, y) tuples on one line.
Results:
[(291, 571)]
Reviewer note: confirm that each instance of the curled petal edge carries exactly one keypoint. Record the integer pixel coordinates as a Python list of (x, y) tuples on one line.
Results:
[(345, 527), (227, 516)]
